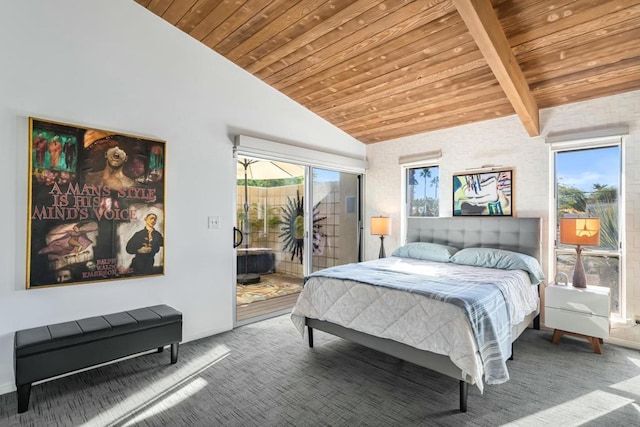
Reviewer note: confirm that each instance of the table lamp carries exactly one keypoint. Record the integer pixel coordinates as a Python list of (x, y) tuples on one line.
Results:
[(381, 226), (580, 232)]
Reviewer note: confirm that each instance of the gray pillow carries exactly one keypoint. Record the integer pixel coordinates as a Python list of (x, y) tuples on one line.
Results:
[(426, 251), (500, 258)]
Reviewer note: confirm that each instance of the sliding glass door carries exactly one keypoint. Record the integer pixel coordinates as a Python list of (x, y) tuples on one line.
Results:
[(270, 220), (336, 223), (290, 228)]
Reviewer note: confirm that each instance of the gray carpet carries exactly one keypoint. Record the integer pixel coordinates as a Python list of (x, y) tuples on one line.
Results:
[(264, 374)]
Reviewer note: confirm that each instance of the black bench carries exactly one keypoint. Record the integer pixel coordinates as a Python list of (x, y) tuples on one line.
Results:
[(47, 351)]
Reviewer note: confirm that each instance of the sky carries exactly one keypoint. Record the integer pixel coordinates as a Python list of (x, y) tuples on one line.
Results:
[(322, 175), (582, 169), (418, 189)]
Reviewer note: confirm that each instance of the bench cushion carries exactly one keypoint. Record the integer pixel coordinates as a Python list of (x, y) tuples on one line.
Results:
[(60, 335)]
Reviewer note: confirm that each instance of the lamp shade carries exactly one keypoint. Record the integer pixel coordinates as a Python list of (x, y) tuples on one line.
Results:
[(381, 225), (580, 231)]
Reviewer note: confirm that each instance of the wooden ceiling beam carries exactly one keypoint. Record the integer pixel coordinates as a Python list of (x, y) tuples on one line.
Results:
[(486, 30)]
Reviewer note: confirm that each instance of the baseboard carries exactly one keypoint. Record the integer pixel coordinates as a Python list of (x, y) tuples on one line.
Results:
[(204, 334), (262, 317), (620, 322), (623, 343), (7, 388)]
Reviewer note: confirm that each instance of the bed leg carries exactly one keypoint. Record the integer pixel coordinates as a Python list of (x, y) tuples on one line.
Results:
[(511, 357), (310, 330), (536, 322), (464, 391)]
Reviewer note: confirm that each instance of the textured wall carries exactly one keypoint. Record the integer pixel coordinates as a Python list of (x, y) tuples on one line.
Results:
[(504, 142)]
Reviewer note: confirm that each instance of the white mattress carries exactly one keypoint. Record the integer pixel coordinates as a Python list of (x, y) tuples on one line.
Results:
[(411, 318)]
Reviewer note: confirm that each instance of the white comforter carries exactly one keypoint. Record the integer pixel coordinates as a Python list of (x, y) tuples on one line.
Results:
[(411, 318)]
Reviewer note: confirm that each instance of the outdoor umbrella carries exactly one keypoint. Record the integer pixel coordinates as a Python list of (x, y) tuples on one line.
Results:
[(249, 168), (267, 169)]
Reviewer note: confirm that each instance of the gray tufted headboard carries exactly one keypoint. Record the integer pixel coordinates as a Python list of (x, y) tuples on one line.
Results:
[(513, 234)]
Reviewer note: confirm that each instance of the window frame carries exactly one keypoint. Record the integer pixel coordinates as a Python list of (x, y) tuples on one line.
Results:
[(405, 167), (568, 145)]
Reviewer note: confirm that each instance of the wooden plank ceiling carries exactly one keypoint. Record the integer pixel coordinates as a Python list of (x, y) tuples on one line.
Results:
[(385, 69)]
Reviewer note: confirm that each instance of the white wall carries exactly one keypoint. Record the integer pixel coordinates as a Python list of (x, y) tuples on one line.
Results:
[(505, 142), (114, 65)]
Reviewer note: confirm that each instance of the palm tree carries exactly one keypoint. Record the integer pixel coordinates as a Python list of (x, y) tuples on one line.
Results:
[(412, 182), (604, 193), (425, 173), (434, 183)]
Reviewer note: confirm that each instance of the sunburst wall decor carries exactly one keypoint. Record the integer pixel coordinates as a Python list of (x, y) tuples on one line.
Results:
[(293, 226)]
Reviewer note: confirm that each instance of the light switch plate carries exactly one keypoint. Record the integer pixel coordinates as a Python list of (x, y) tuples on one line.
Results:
[(214, 222)]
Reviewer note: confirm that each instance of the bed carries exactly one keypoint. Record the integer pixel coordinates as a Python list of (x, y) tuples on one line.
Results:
[(395, 305)]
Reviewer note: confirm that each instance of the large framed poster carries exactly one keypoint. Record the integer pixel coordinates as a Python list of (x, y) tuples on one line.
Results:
[(483, 193), (96, 205)]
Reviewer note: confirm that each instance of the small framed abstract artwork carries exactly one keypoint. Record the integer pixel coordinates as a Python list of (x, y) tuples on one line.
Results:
[(96, 205), (482, 193)]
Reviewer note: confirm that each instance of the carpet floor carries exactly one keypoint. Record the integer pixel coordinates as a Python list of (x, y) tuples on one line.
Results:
[(264, 374)]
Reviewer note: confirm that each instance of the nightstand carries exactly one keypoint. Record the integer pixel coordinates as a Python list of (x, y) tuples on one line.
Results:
[(581, 312)]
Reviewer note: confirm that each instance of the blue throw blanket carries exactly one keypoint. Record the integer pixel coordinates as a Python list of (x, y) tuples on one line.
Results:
[(484, 304)]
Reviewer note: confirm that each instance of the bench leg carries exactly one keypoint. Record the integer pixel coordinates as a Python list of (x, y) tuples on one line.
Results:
[(24, 391), (174, 352)]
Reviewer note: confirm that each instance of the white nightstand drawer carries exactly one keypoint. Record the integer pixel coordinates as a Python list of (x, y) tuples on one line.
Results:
[(590, 300), (572, 321)]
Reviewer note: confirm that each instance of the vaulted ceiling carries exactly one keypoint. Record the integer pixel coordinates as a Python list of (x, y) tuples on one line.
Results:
[(384, 69)]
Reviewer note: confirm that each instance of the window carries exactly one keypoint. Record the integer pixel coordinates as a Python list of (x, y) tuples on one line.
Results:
[(423, 188), (587, 184)]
